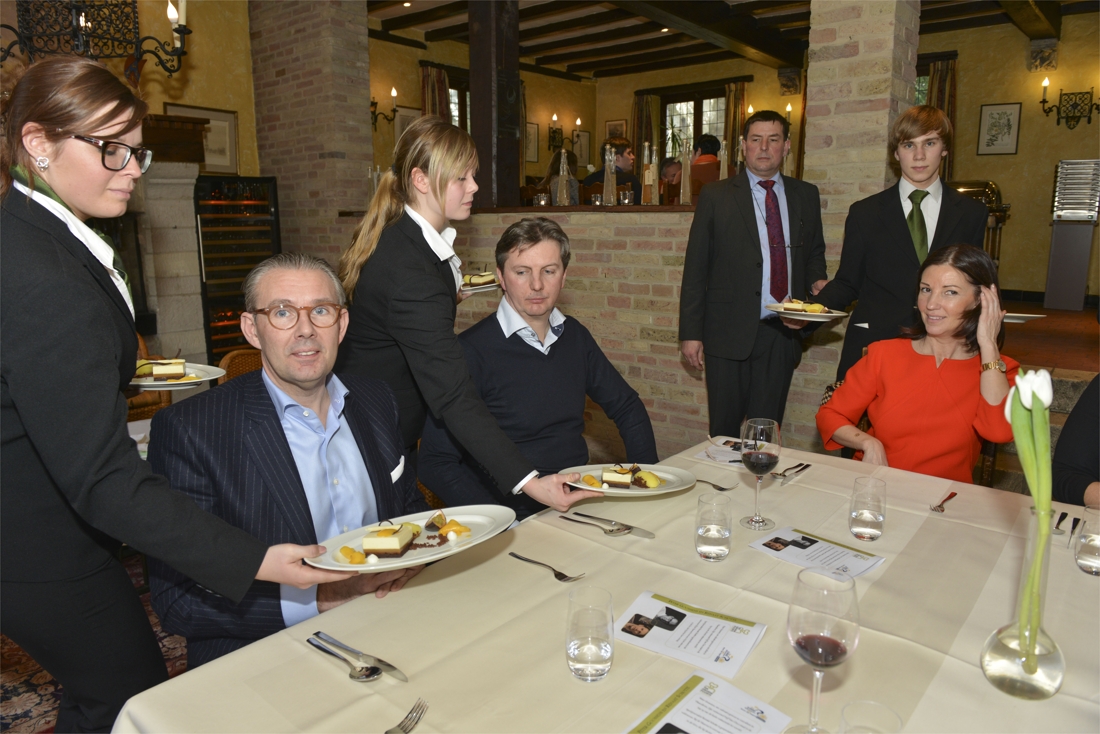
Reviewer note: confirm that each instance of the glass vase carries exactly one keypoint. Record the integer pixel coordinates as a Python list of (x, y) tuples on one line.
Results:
[(1020, 658)]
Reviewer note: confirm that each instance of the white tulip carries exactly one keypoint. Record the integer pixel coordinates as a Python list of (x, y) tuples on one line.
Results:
[(1008, 403), (1042, 387), (1024, 381)]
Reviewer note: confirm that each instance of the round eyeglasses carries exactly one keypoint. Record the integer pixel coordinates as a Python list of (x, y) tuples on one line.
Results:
[(322, 315), (116, 156)]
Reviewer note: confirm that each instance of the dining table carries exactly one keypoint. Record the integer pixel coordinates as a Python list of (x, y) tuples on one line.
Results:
[(481, 635)]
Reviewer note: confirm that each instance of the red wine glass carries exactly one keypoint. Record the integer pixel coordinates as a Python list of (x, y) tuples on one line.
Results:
[(760, 445), (823, 626)]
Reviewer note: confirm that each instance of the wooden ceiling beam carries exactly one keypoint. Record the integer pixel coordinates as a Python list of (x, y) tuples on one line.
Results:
[(959, 11), (460, 31), (584, 21), (670, 64), (615, 34), (714, 21), (619, 49), (1037, 20), (641, 58), (964, 23), (373, 6), (431, 15)]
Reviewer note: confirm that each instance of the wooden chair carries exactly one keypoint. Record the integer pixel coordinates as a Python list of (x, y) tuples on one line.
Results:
[(238, 362), (584, 193), (145, 405), (705, 172)]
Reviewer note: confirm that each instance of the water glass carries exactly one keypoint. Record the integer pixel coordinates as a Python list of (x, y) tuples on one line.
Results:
[(867, 511), (1087, 548), (597, 199), (713, 520), (868, 717), (626, 198), (542, 199), (589, 633)]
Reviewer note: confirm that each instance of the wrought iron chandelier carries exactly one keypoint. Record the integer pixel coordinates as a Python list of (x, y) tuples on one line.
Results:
[(96, 29)]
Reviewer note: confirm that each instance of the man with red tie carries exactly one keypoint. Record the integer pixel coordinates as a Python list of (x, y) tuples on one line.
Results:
[(756, 240)]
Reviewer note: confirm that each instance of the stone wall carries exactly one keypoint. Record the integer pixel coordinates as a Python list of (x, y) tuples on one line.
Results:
[(312, 85)]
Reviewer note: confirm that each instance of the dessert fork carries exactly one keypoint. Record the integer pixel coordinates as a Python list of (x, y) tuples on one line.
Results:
[(939, 507), (410, 721), (720, 489), (557, 574)]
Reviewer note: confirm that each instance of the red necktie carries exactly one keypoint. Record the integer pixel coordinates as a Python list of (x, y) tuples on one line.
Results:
[(777, 246)]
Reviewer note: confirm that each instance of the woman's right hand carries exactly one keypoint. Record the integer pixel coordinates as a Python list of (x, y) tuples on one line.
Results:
[(283, 565), (552, 490)]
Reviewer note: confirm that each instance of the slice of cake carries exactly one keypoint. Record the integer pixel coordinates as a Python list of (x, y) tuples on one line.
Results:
[(390, 541), (161, 369), (618, 476)]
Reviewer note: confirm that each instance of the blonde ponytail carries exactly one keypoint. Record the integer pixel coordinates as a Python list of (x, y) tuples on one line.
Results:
[(439, 149)]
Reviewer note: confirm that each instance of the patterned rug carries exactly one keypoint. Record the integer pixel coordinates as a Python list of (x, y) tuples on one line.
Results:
[(29, 696)]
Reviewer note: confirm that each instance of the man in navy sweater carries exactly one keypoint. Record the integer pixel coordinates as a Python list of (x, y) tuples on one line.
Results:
[(533, 367)]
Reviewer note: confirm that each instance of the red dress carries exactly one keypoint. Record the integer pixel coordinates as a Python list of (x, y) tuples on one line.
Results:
[(930, 420)]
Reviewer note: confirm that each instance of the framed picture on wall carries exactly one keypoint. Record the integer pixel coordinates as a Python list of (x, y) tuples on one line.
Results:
[(616, 128), (219, 142), (531, 143), (403, 118), (581, 139), (999, 129)]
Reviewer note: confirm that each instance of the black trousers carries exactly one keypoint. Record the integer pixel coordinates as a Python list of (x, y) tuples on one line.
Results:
[(92, 635), (757, 387)]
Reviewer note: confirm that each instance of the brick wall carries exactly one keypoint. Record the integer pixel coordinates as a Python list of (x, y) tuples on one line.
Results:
[(311, 76), (862, 65)]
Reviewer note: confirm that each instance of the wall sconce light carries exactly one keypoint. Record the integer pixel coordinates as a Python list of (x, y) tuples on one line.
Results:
[(555, 136), (1071, 107), (750, 109), (375, 114), (788, 113)]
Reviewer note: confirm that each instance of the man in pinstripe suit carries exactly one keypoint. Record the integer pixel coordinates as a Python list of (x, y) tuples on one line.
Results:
[(290, 453)]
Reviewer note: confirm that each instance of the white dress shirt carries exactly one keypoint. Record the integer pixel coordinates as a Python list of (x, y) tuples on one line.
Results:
[(930, 207), (759, 198), (442, 243), (511, 322)]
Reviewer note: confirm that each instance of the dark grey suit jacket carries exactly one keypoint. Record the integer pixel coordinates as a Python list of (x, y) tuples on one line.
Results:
[(879, 265), (723, 267), (226, 449), (72, 477), (402, 332)]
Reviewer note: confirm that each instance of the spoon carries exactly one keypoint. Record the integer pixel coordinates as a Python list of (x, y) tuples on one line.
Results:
[(359, 672), (606, 531)]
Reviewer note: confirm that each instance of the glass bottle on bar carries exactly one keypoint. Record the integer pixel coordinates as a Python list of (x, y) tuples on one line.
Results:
[(685, 171), (724, 162), (609, 195), (563, 179), (648, 176)]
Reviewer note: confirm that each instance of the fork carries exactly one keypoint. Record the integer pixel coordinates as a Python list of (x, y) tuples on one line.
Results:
[(410, 721), (788, 470), (720, 489), (939, 507), (557, 574)]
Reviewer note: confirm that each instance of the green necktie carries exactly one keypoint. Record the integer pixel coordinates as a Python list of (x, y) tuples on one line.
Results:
[(917, 228)]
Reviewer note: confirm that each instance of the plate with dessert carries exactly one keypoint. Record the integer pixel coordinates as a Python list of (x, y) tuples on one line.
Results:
[(172, 374), (806, 311), (411, 540), (479, 282), (634, 480)]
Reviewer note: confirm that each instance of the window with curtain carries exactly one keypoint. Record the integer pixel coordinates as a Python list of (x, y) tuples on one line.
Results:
[(460, 106), (692, 114), (921, 84)]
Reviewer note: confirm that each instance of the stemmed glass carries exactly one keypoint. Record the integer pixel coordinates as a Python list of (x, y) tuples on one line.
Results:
[(823, 626), (760, 444)]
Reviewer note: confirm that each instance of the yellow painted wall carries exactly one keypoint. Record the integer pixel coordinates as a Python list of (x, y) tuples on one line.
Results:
[(217, 70), (992, 69), (547, 95), (615, 95)]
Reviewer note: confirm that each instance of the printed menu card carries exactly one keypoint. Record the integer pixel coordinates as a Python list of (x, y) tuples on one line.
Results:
[(709, 640), (806, 550), (703, 704)]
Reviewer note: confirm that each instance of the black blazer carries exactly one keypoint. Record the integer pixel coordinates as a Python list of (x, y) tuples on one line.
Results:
[(226, 450), (73, 482), (402, 332), (879, 265), (723, 267)]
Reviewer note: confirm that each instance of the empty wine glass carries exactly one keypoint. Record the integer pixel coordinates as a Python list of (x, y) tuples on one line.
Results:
[(760, 444), (823, 626)]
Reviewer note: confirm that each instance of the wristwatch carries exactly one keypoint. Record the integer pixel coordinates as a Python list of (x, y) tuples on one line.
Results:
[(998, 365)]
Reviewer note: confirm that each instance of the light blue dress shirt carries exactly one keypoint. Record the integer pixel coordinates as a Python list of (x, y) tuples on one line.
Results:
[(337, 486), (759, 194), (511, 322)]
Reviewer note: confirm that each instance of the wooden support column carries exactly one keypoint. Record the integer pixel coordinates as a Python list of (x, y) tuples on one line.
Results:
[(495, 100)]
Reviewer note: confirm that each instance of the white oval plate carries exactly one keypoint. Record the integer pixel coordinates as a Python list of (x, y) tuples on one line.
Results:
[(484, 522), (471, 289), (803, 316), (203, 373), (1022, 318), (674, 480)]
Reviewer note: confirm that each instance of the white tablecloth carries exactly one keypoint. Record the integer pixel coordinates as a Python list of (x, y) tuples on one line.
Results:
[(481, 635)]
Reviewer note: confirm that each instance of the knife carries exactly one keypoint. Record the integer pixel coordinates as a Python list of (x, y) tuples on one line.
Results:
[(790, 477), (364, 658), (1072, 530), (1058, 530), (641, 533)]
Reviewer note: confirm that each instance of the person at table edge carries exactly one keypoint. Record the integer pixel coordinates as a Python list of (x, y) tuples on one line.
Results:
[(889, 234), (533, 366), (933, 393), (756, 240), (624, 167), (1076, 466), (288, 453)]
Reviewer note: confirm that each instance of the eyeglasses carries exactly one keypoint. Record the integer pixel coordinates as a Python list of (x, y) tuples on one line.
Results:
[(322, 315), (116, 156)]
